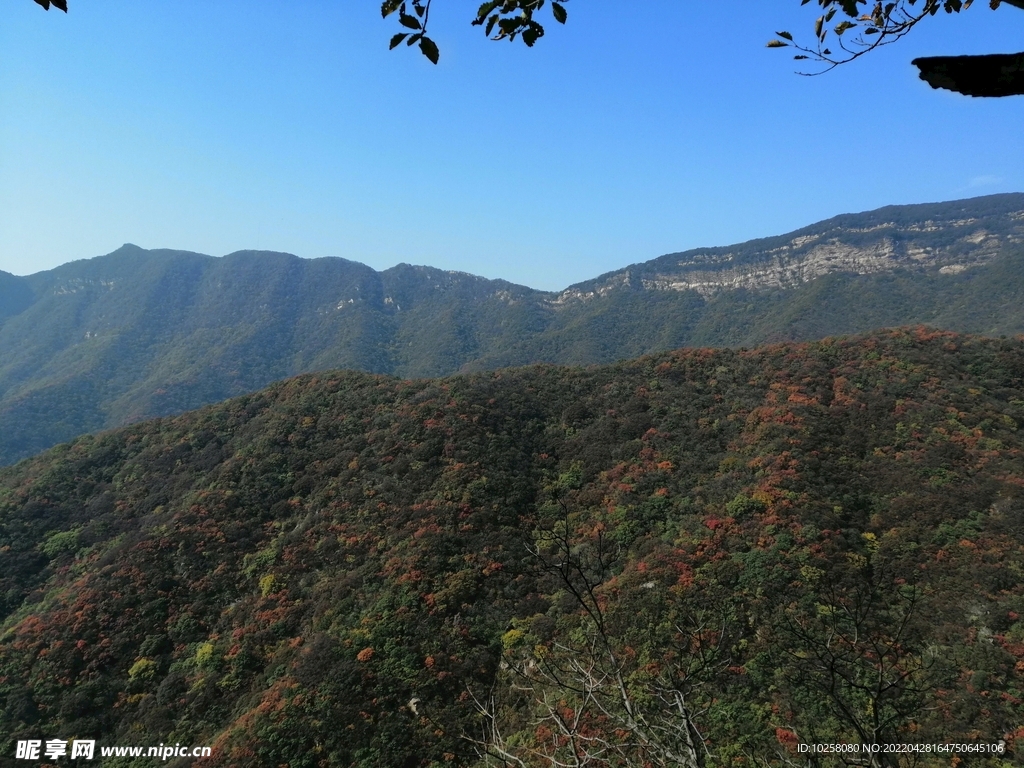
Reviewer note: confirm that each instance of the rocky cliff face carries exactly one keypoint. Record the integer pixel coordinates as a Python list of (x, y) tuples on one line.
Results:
[(944, 242)]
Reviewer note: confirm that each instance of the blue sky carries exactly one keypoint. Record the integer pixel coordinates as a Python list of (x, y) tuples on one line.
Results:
[(639, 128)]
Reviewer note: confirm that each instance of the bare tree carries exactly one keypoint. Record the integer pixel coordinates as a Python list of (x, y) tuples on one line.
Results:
[(862, 652), (596, 694)]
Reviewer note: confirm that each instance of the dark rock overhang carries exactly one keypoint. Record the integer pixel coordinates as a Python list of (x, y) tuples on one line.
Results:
[(994, 74)]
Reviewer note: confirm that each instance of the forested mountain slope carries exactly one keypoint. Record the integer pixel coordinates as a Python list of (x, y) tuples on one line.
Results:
[(107, 341), (701, 557)]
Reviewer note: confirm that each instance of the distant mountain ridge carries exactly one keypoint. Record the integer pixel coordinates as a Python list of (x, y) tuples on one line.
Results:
[(102, 342), (947, 237)]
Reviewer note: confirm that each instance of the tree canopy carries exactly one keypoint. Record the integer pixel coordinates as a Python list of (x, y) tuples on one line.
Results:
[(695, 559)]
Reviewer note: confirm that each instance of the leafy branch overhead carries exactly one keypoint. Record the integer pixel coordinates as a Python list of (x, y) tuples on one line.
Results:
[(882, 25), (416, 22), (501, 20), (864, 27)]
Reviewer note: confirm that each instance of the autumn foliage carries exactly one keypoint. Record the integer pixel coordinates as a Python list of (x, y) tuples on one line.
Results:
[(795, 544)]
